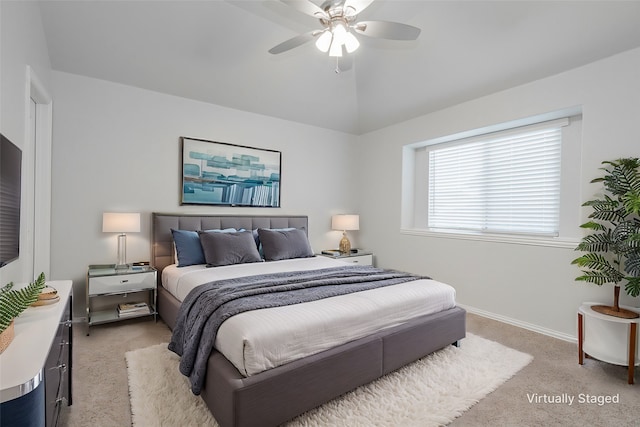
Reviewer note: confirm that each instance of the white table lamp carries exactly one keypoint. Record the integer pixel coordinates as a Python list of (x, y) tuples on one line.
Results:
[(345, 223), (116, 222)]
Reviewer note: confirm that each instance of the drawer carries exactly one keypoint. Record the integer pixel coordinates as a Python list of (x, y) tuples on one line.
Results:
[(360, 259), (56, 386), (56, 376), (122, 283)]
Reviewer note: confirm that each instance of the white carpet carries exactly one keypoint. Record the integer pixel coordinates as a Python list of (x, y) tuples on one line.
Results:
[(430, 392)]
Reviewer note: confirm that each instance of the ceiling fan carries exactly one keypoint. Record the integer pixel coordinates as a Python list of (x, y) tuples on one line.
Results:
[(339, 19)]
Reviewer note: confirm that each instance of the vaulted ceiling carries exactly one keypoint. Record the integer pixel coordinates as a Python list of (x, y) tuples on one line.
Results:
[(216, 51)]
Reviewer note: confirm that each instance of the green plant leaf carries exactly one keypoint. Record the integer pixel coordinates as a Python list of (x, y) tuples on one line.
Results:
[(634, 241), (595, 262), (631, 201), (596, 278), (632, 265), (623, 238), (600, 242), (600, 270), (610, 215), (633, 286), (606, 203), (15, 301), (592, 225), (622, 177), (606, 209)]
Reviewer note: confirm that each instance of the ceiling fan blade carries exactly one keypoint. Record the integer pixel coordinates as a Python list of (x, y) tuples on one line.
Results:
[(356, 5), (305, 6), (387, 30), (294, 42)]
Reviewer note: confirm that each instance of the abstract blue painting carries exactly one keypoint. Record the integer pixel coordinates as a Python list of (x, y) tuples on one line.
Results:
[(217, 173)]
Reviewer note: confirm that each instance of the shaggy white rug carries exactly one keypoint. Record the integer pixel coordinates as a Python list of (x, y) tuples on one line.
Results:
[(429, 392)]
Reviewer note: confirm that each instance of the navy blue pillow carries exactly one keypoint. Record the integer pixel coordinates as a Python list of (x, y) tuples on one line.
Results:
[(188, 247)]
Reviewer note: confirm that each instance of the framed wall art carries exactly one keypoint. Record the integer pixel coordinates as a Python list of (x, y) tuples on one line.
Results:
[(217, 173)]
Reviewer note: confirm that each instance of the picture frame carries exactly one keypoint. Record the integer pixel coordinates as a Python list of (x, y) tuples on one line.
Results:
[(222, 174)]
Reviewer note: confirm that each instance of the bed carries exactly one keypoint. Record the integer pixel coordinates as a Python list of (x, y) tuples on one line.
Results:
[(240, 395)]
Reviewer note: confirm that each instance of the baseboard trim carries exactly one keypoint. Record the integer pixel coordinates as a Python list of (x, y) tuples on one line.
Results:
[(520, 324)]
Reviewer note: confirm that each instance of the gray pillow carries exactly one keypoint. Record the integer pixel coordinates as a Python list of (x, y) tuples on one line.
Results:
[(280, 244), (228, 248)]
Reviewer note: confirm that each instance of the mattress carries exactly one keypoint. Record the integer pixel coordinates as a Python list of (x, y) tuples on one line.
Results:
[(258, 340)]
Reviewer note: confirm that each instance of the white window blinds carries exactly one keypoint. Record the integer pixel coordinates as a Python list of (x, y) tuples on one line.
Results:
[(506, 182)]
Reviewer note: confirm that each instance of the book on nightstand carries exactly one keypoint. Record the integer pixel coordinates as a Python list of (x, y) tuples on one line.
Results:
[(332, 252), (133, 309), (337, 253)]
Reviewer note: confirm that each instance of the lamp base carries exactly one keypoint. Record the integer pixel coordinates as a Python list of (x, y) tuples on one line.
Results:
[(345, 244), (122, 252)]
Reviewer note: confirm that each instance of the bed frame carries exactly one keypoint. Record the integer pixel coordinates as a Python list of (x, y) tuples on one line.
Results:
[(275, 396)]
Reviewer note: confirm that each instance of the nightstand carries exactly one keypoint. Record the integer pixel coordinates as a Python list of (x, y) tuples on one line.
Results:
[(108, 286), (360, 257)]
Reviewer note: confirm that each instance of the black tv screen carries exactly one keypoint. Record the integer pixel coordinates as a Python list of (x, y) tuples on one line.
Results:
[(10, 177)]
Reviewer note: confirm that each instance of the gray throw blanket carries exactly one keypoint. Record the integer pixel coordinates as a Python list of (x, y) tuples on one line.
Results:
[(207, 306)]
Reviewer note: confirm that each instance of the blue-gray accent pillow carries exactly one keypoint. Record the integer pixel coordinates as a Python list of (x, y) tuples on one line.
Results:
[(188, 247), (256, 237), (228, 248), (280, 244)]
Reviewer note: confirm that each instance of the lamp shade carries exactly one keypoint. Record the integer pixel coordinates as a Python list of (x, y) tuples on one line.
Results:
[(345, 222), (116, 222)]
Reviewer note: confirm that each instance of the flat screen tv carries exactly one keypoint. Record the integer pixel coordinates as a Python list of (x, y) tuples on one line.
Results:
[(10, 178)]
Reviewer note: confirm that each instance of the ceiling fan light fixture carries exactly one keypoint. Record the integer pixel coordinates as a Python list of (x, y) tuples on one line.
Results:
[(351, 42), (324, 41), (339, 33), (339, 20), (336, 48)]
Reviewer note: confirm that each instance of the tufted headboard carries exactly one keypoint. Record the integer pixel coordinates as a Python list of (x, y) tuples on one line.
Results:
[(162, 242)]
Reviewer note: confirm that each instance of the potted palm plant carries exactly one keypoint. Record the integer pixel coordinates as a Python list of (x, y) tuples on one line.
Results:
[(12, 303), (613, 245)]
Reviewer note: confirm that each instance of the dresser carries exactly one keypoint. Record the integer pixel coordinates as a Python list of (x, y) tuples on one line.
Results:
[(35, 370)]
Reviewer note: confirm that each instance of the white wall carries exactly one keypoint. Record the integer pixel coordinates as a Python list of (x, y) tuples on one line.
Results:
[(529, 285), (22, 44), (116, 148)]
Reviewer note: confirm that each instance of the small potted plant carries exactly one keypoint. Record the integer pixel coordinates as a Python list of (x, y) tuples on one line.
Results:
[(12, 303), (613, 246)]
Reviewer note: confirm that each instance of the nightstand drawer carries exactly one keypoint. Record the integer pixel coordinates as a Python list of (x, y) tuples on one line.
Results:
[(359, 259), (121, 283)]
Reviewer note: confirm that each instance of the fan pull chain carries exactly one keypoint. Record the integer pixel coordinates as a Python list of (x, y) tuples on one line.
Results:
[(338, 70)]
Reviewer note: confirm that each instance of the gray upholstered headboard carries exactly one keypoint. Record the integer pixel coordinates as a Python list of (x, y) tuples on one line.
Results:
[(162, 241)]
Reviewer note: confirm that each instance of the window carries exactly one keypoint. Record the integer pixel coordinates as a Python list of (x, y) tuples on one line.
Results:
[(503, 183), (516, 182)]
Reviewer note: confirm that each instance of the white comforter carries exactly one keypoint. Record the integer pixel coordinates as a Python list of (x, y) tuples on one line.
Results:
[(258, 340)]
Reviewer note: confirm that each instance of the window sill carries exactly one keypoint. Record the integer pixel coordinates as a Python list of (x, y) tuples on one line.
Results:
[(554, 242)]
